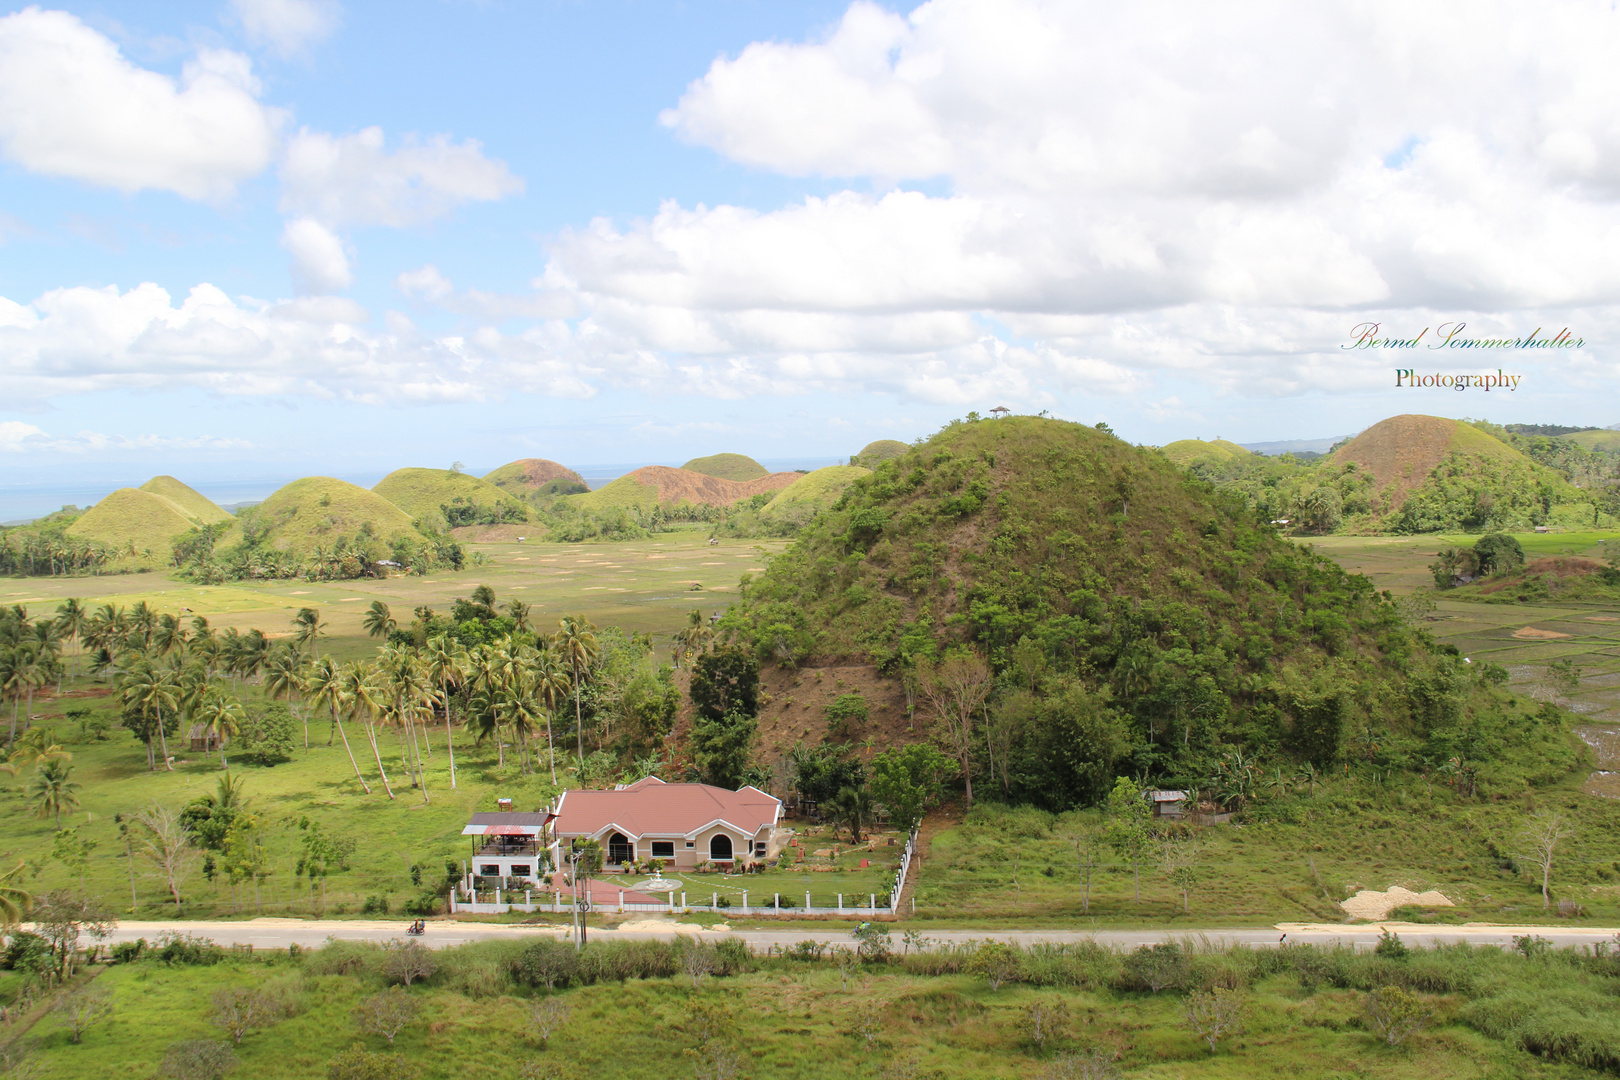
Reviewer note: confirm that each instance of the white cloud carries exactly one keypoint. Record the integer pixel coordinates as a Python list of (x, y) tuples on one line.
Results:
[(286, 26), (82, 340), (71, 105), (320, 263), (428, 286), (17, 437), (354, 180)]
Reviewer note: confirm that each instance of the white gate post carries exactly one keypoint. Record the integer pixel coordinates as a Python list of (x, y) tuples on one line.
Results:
[(683, 902), (745, 902), (621, 901), (497, 896), (714, 901), (871, 902), (776, 902), (840, 901), (807, 903)]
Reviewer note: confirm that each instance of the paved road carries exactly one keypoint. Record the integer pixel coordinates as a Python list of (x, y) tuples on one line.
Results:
[(280, 933)]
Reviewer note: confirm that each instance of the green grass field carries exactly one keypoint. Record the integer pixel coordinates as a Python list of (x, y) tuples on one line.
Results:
[(803, 1020)]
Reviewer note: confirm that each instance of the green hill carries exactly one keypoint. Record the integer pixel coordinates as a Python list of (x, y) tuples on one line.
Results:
[(738, 467), (536, 476), (131, 519), (1136, 620), (814, 493), (876, 453), (624, 493), (1185, 451), (318, 510), (194, 505), (1598, 440), (425, 493)]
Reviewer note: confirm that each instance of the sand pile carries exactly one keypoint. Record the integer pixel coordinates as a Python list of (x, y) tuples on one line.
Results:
[(1369, 904), (670, 926), (1532, 633)]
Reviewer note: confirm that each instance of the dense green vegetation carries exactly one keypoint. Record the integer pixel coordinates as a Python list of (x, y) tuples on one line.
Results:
[(1070, 609), (1487, 478), (879, 1005)]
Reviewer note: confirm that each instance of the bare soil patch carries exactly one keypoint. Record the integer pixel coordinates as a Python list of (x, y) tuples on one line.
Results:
[(1400, 452), (1531, 633), (1371, 904)]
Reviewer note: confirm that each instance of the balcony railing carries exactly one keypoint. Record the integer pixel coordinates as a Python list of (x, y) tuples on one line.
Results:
[(504, 847)]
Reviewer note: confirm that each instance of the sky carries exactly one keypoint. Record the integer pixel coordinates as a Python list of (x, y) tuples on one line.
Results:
[(266, 238)]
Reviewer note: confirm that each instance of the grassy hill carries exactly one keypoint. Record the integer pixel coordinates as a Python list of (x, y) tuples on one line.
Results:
[(1400, 453), (651, 485), (1597, 439), (1185, 451), (876, 453), (1136, 619), (134, 519), (193, 504), (422, 493), (317, 510), (738, 467), (814, 492), (531, 476)]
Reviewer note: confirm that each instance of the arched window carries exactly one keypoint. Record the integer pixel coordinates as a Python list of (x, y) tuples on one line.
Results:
[(620, 850), (720, 848)]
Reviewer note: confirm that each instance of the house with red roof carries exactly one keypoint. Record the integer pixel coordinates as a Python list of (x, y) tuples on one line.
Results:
[(682, 824)]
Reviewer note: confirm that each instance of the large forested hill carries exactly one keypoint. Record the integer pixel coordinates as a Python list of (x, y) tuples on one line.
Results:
[(1106, 589)]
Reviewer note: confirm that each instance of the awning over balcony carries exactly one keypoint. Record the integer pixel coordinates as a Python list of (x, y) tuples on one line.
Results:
[(507, 824)]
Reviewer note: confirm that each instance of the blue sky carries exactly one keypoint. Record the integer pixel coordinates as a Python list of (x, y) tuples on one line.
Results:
[(272, 237)]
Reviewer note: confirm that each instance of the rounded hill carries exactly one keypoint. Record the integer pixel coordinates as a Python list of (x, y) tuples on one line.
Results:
[(442, 498), (193, 504), (529, 476), (317, 511), (1186, 451), (813, 492), (738, 467), (135, 521), (876, 453), (1402, 451), (651, 485), (1119, 615)]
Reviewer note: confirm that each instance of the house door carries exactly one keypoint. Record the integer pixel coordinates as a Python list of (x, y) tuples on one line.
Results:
[(620, 850), (720, 848)]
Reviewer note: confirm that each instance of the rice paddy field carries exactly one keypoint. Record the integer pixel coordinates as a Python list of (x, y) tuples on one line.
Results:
[(645, 586)]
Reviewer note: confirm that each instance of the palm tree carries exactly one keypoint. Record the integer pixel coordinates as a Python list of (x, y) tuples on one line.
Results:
[(14, 902), (379, 622), (70, 622), (324, 685), (445, 666), (283, 678), (551, 686), (365, 700), (221, 715), (147, 688), (519, 611), (307, 630), (144, 622), (579, 650), (52, 790)]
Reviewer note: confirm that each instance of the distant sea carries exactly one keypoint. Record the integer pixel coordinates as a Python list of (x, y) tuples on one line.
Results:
[(21, 503)]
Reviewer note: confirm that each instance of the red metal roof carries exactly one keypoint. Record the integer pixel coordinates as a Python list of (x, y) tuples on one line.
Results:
[(650, 807)]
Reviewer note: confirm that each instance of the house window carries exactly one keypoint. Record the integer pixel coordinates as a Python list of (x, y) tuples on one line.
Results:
[(489, 870), (663, 849), (690, 844), (521, 870), (759, 849)]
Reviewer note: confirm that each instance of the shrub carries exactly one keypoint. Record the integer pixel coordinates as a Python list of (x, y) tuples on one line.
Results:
[(339, 957), (1391, 946), (734, 956), (1393, 1014), (1155, 967), (127, 952), (26, 951), (998, 962), (198, 1059), (407, 962), (186, 950), (240, 1009), (358, 1063), (547, 962), (375, 905), (387, 1013)]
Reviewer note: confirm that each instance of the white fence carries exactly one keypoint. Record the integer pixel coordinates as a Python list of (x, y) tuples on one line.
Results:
[(682, 903)]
